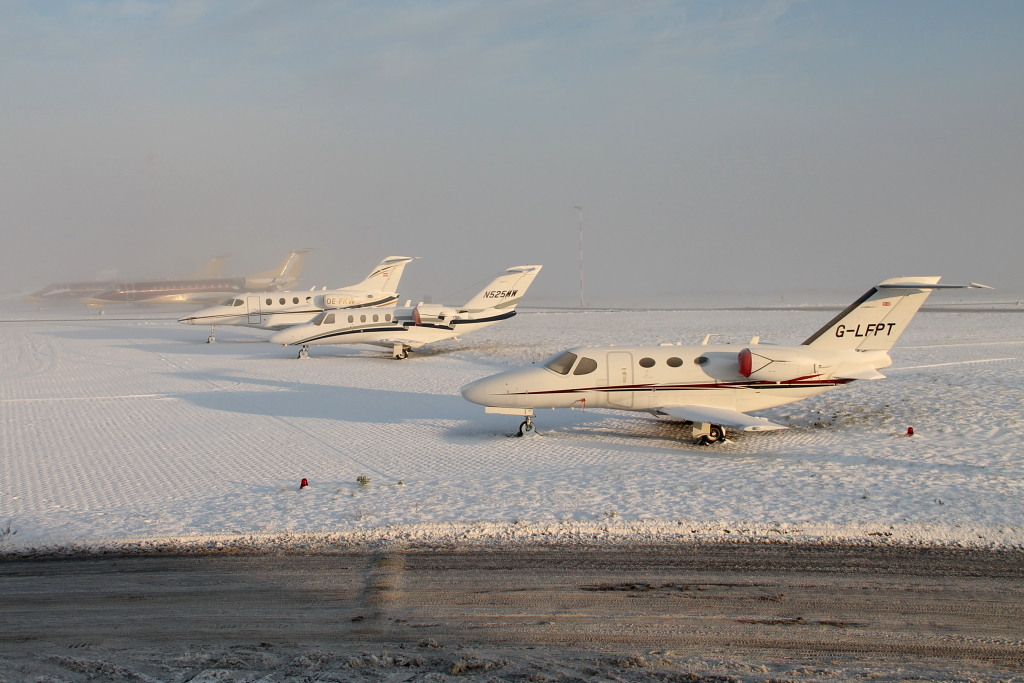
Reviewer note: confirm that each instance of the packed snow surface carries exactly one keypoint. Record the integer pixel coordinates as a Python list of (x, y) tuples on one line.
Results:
[(131, 431)]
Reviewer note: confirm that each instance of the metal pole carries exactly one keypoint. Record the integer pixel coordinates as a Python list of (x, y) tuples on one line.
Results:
[(580, 208)]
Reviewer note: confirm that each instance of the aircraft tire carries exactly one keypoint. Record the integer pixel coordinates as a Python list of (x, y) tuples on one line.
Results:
[(527, 429), (717, 434)]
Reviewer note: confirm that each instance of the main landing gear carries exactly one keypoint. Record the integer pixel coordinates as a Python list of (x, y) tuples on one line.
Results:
[(213, 332), (400, 352), (707, 434), (527, 428), (303, 352)]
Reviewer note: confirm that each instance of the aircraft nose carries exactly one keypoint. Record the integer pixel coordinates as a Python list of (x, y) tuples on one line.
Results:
[(282, 337), (490, 391), (188, 321)]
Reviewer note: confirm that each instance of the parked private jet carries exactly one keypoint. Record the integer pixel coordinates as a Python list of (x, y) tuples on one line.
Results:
[(714, 386), (202, 290), (281, 310), (407, 328)]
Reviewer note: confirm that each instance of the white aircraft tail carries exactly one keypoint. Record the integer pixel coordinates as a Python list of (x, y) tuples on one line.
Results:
[(213, 269), (505, 291), (876, 320), (385, 277), (285, 275)]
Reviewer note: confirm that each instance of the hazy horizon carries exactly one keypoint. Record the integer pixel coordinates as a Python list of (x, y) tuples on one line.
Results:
[(756, 147)]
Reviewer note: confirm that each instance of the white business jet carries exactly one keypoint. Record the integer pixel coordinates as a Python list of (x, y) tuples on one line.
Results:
[(281, 310), (405, 328), (714, 386)]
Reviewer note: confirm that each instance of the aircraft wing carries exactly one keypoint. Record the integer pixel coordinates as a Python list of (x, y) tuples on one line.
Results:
[(391, 341), (721, 416)]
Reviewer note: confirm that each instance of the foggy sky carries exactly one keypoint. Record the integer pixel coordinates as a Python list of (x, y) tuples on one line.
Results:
[(732, 147)]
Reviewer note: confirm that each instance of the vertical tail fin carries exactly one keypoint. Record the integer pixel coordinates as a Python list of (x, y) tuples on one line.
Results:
[(283, 277), (876, 320), (214, 268), (505, 291), (385, 277)]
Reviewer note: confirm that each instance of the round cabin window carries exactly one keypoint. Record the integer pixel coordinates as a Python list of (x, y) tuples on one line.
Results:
[(270, 301), (351, 318), (674, 362), (281, 301), (701, 360), (387, 317), (295, 299), (375, 317), (647, 362)]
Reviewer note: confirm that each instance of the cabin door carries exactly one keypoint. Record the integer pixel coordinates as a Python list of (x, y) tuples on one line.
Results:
[(620, 374), (254, 310)]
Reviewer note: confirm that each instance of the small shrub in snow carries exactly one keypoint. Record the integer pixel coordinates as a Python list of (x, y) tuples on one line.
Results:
[(362, 480), (6, 533)]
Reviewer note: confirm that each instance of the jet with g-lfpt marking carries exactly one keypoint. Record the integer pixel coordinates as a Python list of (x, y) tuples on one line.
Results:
[(403, 329), (713, 386), (281, 310)]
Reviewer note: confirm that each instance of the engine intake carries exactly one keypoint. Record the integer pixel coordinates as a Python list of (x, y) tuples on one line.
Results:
[(432, 314), (776, 365)]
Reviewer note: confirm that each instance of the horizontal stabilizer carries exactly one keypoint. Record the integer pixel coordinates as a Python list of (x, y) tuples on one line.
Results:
[(927, 285), (721, 416), (859, 372)]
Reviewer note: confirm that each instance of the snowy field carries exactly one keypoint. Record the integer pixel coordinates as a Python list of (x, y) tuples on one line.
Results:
[(137, 432)]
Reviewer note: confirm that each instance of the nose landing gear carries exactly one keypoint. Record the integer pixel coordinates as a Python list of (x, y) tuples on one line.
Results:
[(527, 428), (303, 352), (212, 339), (706, 434)]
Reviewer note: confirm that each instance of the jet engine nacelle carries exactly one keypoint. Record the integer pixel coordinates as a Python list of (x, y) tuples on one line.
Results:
[(432, 314), (776, 365)]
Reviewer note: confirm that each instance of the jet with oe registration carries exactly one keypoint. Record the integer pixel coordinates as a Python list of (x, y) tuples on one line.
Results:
[(281, 310), (403, 329), (715, 386)]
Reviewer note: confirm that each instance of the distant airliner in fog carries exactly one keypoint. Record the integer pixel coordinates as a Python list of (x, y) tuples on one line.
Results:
[(280, 310), (205, 290), (68, 292)]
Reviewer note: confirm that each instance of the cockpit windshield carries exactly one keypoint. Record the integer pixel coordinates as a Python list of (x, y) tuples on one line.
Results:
[(238, 302), (229, 302), (561, 363), (319, 319)]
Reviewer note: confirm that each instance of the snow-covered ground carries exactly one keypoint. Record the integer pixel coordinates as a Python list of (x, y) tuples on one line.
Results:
[(123, 431)]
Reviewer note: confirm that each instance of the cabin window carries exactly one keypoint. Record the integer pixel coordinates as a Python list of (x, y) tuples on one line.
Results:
[(362, 318), (375, 317), (281, 301), (351, 318), (561, 363), (270, 301), (586, 366), (674, 362), (647, 362), (239, 302), (295, 299), (226, 303), (308, 299), (329, 320), (387, 317), (319, 319), (701, 360)]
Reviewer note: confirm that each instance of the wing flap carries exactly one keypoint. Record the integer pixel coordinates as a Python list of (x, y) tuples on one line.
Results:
[(721, 416)]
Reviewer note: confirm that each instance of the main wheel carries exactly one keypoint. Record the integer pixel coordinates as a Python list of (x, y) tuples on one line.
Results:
[(716, 433), (402, 355), (527, 429)]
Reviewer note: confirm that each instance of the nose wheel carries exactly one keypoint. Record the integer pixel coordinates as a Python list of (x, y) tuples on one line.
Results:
[(707, 434), (528, 428), (212, 339), (303, 352)]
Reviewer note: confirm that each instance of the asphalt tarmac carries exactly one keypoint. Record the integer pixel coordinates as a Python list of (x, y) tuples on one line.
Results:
[(745, 611)]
